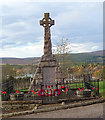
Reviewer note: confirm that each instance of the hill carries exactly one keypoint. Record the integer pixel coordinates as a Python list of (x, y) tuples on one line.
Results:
[(16, 61), (96, 56), (97, 53)]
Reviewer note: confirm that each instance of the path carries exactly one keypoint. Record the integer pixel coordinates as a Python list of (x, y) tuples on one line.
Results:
[(91, 111)]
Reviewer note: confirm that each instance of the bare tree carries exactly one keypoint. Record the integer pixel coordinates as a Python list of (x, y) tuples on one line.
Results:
[(62, 53)]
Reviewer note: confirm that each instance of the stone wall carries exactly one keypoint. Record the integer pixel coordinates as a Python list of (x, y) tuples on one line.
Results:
[(17, 106)]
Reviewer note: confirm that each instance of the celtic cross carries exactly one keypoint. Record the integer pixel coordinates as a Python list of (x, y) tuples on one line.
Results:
[(47, 22)]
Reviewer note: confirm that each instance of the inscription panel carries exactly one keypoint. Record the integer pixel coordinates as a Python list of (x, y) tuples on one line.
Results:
[(48, 74)]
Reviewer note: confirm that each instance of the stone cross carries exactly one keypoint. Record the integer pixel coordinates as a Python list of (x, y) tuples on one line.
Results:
[(47, 22)]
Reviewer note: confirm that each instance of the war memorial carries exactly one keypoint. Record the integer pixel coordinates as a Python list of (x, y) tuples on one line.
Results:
[(48, 69), (49, 86)]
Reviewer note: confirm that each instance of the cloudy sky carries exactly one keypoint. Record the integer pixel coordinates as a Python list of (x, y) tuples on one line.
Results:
[(22, 36)]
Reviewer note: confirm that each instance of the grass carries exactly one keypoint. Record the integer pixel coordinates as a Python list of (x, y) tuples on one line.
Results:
[(101, 88), (76, 85), (81, 85), (23, 90)]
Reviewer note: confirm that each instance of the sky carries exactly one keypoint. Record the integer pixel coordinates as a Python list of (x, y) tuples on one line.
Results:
[(22, 36)]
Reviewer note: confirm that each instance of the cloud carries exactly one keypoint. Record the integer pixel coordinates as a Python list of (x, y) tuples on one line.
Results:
[(67, 18), (36, 50), (31, 50), (94, 48), (7, 2), (85, 47), (20, 33), (82, 47), (79, 22)]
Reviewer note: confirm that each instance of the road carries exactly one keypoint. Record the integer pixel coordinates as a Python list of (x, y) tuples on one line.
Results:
[(91, 111)]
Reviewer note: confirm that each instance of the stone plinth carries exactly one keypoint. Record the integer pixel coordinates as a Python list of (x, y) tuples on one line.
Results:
[(48, 71)]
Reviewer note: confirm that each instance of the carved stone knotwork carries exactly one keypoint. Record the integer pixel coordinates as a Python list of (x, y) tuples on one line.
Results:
[(47, 22), (48, 68)]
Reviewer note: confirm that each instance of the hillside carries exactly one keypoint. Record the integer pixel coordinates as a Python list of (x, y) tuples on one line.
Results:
[(16, 61), (96, 56), (97, 53), (85, 57)]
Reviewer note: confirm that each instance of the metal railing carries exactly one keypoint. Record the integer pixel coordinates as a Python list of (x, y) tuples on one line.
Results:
[(48, 92)]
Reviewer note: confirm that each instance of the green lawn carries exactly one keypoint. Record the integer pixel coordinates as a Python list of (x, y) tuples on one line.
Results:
[(23, 90), (76, 85), (101, 88), (81, 85)]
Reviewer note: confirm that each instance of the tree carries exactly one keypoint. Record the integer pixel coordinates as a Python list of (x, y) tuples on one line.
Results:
[(7, 71), (62, 53)]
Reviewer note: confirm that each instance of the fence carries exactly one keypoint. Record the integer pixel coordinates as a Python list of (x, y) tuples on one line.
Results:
[(6, 90), (12, 86), (93, 85), (49, 92)]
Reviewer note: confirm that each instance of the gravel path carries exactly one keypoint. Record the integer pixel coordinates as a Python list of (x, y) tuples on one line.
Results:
[(91, 111)]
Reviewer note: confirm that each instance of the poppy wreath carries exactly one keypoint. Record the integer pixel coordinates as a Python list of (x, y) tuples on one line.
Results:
[(41, 90), (48, 92), (63, 89), (59, 92), (3, 92)]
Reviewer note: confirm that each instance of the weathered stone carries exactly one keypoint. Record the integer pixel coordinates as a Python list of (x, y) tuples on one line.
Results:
[(48, 69), (63, 103), (12, 96)]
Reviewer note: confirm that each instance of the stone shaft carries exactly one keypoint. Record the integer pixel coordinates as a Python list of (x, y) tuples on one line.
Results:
[(47, 41), (47, 22)]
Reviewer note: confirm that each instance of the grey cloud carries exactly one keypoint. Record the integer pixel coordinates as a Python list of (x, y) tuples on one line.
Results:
[(79, 22)]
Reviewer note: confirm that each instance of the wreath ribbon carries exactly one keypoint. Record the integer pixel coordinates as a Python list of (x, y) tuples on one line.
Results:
[(57, 90), (48, 92), (40, 91)]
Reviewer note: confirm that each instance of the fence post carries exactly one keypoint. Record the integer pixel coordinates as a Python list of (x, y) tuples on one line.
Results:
[(67, 86), (95, 84), (57, 86), (7, 91), (83, 81), (98, 85), (76, 83), (41, 92), (57, 89), (88, 78), (63, 81)]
